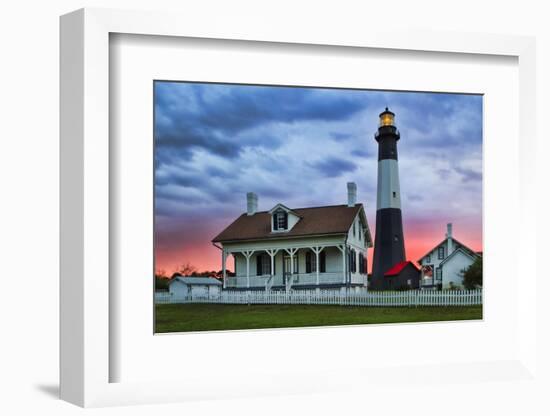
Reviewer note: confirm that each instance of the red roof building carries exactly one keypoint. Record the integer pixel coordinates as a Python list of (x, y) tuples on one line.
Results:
[(398, 268), (402, 275)]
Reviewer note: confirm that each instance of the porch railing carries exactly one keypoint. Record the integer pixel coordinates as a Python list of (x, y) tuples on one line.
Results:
[(298, 279)]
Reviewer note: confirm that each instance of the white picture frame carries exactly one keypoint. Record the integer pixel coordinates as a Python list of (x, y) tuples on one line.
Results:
[(85, 178)]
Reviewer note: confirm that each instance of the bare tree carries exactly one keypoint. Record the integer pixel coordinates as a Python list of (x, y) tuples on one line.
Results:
[(186, 269), (161, 274)]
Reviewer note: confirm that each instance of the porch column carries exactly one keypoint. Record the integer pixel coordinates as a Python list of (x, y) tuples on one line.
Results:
[(317, 251), (272, 253), (224, 273), (291, 252), (342, 249), (248, 254)]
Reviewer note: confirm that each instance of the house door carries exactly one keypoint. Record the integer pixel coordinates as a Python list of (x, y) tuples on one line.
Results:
[(286, 267)]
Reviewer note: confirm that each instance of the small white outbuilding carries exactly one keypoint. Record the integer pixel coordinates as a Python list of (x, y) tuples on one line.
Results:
[(195, 287)]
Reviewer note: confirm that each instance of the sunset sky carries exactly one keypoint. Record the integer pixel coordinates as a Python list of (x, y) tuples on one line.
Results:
[(300, 146)]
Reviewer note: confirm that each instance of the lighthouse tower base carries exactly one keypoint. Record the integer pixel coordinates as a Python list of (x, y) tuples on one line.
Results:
[(389, 247)]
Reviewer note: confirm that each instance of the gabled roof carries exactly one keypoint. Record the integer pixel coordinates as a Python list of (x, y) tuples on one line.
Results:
[(334, 219), (467, 249), (197, 281), (470, 254), (283, 207), (398, 268)]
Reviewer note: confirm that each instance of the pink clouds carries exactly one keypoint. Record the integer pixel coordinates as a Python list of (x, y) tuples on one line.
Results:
[(420, 237)]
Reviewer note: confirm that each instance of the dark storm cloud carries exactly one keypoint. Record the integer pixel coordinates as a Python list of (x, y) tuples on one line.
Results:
[(215, 117), (334, 166), (299, 146), (340, 136), (361, 153), (449, 120), (468, 175)]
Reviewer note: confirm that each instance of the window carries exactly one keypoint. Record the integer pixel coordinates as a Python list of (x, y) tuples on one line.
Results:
[(287, 266), (428, 259), (280, 220), (352, 261), (362, 263), (354, 228), (441, 252), (266, 265), (394, 194), (323, 261), (438, 273), (281, 223), (311, 262), (263, 265)]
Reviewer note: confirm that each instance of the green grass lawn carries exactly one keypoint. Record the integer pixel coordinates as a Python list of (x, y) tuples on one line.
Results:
[(210, 317)]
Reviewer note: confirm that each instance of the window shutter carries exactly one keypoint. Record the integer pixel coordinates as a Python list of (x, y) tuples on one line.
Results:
[(322, 259), (286, 220), (308, 262), (275, 221), (258, 265)]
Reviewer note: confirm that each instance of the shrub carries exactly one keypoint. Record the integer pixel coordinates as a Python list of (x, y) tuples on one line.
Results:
[(473, 275)]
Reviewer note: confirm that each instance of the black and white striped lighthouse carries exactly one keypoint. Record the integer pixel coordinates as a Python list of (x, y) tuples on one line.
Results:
[(389, 244)]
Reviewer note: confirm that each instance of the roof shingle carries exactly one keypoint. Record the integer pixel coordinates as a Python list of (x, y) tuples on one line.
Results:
[(335, 219)]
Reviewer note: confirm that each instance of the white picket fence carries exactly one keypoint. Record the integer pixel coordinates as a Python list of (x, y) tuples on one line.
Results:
[(337, 297)]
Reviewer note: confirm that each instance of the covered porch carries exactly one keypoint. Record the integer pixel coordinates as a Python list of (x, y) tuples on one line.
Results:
[(295, 267)]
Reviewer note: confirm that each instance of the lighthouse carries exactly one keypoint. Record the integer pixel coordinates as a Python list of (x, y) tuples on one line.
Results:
[(389, 244)]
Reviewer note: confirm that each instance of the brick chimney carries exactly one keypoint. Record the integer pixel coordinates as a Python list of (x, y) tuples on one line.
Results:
[(449, 236), (352, 194), (251, 203)]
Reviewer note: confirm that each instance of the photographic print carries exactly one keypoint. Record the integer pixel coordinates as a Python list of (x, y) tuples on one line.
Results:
[(293, 206)]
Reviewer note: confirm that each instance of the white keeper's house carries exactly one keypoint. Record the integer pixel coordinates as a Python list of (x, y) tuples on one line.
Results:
[(297, 248), (443, 266)]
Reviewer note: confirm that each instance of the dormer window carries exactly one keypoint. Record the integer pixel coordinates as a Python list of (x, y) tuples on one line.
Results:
[(283, 219), (280, 220)]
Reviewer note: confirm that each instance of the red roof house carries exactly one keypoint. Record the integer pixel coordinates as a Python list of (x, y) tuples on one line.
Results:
[(402, 275)]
